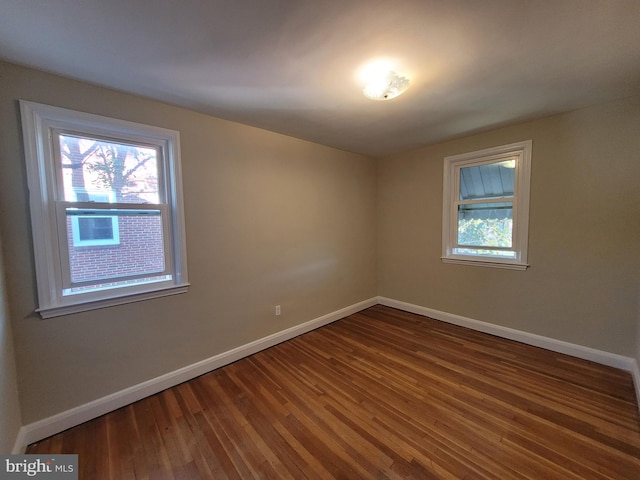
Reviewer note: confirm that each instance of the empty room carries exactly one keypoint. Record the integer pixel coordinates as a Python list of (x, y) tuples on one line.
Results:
[(290, 239)]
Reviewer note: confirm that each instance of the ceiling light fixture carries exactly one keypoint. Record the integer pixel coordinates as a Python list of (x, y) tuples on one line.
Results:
[(385, 85)]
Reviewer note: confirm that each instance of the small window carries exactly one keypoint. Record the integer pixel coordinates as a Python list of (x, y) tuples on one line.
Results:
[(94, 229), (486, 207), (89, 231), (106, 209)]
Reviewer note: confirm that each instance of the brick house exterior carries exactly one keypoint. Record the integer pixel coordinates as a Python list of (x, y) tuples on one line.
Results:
[(140, 250)]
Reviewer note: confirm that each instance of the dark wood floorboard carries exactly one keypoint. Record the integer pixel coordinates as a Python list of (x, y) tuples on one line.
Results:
[(381, 394)]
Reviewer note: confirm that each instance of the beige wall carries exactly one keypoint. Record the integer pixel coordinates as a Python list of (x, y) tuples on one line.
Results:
[(10, 420), (582, 286), (270, 220)]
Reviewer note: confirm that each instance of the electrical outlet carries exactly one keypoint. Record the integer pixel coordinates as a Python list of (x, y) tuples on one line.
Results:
[(278, 310)]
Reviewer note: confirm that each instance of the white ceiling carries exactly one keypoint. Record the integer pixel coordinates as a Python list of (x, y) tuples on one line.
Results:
[(290, 65)]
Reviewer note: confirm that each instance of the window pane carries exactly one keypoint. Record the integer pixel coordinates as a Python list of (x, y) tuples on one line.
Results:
[(96, 170), (486, 225), (139, 252), (488, 181)]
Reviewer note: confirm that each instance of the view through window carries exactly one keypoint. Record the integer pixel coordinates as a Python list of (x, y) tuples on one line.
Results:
[(486, 207), (106, 204)]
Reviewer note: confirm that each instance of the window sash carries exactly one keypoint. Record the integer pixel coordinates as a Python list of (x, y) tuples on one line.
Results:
[(457, 202), (483, 201), (109, 209), (162, 163)]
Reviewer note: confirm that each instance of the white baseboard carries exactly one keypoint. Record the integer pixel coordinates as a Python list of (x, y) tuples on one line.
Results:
[(586, 353), (19, 446), (70, 418)]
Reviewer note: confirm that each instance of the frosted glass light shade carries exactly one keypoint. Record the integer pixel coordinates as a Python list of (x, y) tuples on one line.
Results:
[(386, 86)]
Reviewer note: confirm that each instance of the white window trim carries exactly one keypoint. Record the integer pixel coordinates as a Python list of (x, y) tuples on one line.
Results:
[(37, 123), (520, 205)]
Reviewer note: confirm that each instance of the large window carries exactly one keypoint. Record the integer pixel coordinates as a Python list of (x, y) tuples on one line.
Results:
[(486, 207), (106, 209)]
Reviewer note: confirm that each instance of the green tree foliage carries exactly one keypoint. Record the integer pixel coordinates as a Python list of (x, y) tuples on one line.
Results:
[(489, 232)]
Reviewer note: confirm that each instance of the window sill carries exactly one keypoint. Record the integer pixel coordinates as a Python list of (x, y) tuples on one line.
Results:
[(486, 263), (51, 312)]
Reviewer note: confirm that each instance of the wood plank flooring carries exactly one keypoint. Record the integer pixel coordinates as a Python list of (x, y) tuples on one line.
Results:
[(382, 394)]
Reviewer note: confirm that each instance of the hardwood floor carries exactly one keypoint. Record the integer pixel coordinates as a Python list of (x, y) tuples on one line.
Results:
[(380, 394)]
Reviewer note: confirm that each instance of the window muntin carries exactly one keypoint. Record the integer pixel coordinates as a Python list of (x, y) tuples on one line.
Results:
[(485, 207), (106, 209)]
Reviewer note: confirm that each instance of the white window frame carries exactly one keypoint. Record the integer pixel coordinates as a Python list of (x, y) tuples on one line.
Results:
[(521, 153), (47, 205), (75, 231)]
